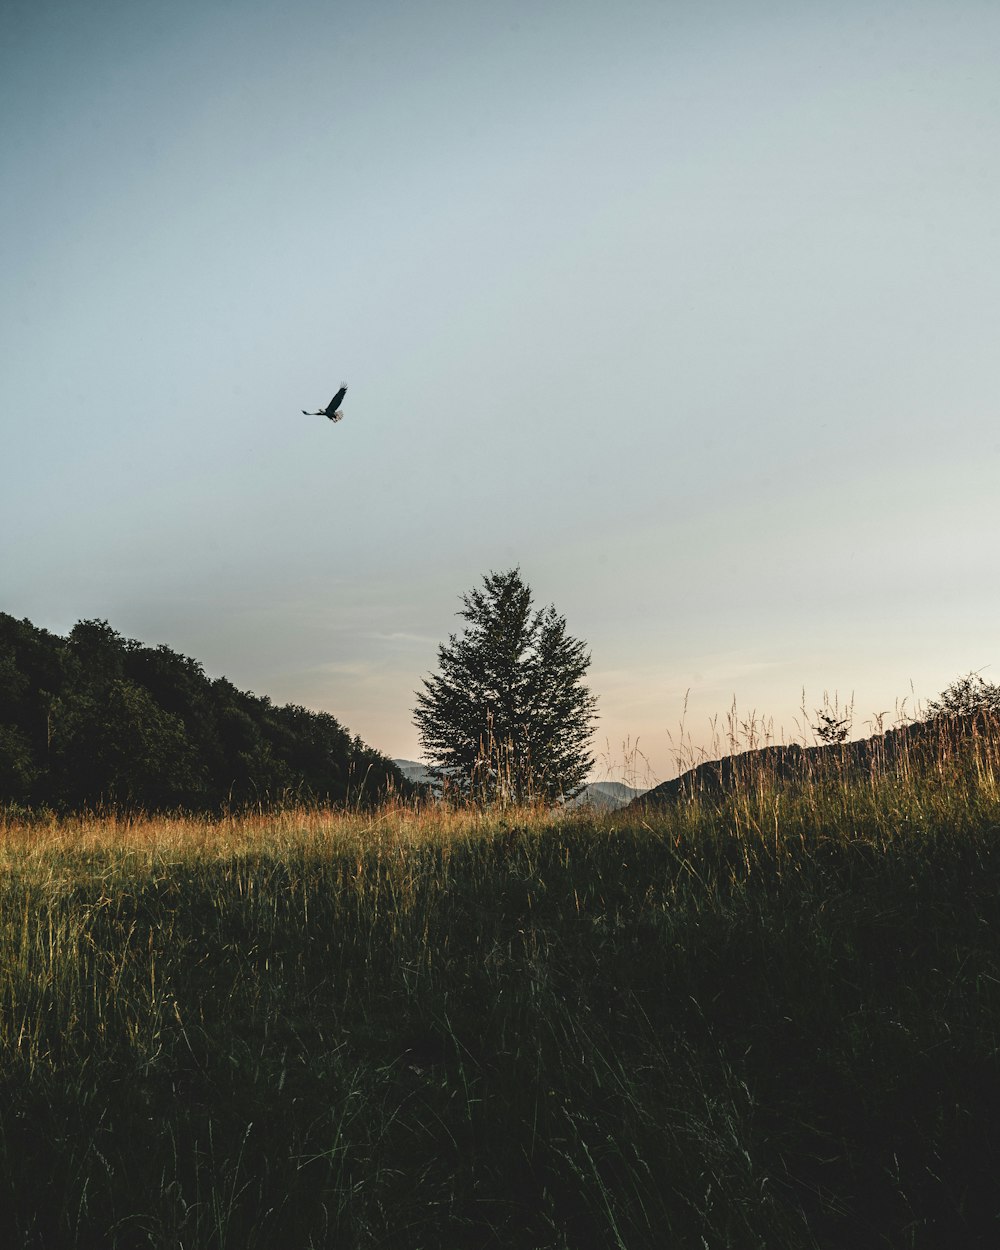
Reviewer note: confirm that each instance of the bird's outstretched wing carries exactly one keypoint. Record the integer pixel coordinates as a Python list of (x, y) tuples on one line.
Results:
[(338, 399)]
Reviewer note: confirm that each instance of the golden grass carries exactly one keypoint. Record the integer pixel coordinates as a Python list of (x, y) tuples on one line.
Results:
[(148, 839), (758, 1016)]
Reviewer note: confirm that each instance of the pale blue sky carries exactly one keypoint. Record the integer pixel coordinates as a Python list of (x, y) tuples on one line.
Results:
[(690, 309)]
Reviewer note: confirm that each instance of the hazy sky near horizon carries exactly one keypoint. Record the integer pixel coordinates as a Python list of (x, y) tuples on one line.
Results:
[(689, 309)]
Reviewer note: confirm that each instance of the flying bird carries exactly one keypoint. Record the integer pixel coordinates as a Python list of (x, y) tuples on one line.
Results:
[(331, 410)]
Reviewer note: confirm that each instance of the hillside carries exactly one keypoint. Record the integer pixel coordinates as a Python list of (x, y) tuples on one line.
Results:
[(97, 718), (781, 765)]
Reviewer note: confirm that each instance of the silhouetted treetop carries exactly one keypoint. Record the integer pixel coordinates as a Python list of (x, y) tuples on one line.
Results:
[(507, 716)]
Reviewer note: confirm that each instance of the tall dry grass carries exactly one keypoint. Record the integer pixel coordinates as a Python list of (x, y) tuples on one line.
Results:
[(763, 1015)]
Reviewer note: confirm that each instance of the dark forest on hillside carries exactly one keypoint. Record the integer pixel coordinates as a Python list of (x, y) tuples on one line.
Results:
[(98, 718)]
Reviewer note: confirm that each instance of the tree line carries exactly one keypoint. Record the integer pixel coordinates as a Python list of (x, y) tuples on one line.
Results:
[(99, 719)]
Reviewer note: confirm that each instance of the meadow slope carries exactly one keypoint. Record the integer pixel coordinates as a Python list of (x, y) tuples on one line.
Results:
[(769, 1019)]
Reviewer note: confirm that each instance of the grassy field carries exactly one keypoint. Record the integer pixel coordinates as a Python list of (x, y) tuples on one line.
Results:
[(765, 1020)]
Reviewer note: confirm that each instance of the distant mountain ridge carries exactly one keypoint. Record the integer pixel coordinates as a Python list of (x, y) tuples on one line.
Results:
[(414, 771), (606, 796), (600, 795)]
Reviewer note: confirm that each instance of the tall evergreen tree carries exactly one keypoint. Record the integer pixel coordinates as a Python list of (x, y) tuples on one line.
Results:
[(508, 717)]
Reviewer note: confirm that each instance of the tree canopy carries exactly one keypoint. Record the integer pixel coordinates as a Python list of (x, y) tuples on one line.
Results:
[(970, 695), (98, 718), (508, 717)]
